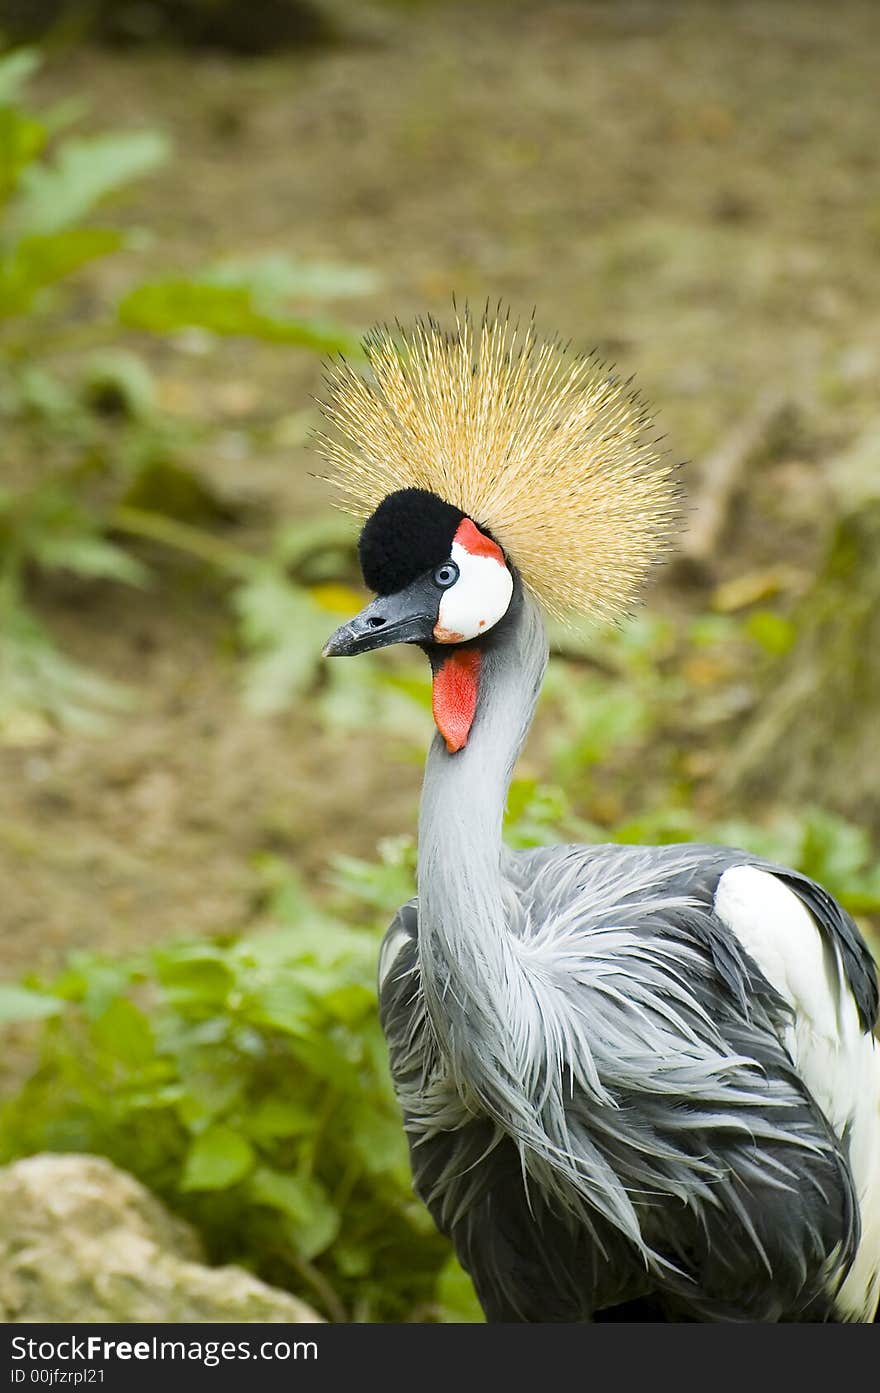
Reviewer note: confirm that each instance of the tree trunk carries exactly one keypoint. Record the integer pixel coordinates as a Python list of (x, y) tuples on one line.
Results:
[(816, 735)]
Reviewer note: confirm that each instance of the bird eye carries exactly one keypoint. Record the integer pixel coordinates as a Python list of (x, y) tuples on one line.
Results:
[(446, 575)]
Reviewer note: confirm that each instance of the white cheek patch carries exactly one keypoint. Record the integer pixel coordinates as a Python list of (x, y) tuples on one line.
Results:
[(478, 599)]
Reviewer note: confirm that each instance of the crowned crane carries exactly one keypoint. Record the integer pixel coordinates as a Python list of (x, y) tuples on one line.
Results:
[(639, 1083)]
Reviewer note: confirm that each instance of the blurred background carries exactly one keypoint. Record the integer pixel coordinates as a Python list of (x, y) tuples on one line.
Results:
[(203, 830)]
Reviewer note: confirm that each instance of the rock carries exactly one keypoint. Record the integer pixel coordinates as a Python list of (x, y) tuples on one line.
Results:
[(81, 1240)]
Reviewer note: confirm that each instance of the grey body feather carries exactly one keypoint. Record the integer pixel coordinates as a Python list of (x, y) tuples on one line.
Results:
[(599, 1103)]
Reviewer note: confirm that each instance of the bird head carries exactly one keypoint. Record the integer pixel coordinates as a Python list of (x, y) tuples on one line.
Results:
[(440, 582), (485, 459)]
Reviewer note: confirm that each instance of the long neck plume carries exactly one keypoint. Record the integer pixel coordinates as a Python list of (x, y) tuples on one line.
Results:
[(470, 972), (495, 1013)]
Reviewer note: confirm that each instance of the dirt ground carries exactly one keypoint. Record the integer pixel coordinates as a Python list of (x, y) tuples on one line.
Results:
[(694, 188)]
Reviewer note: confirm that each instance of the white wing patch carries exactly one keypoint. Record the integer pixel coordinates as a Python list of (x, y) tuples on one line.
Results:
[(837, 1061), (392, 946), (478, 599)]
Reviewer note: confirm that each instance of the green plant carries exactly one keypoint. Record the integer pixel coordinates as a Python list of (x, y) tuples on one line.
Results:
[(48, 189), (245, 1082), (242, 297), (94, 467)]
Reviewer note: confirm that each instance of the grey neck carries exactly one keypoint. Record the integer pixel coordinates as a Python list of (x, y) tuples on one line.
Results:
[(466, 951)]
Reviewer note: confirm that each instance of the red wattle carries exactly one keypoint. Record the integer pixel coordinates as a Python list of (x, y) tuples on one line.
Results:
[(454, 702)]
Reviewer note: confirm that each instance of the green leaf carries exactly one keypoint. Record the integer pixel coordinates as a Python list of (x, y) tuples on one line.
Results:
[(285, 632), (22, 1004), (274, 278), (864, 899), (42, 395), (379, 1141), (456, 1296), (314, 1221), (300, 540), (164, 307), (216, 1160), (212, 1086), (351, 1259), (349, 1003), (384, 886), (92, 557), (612, 717), (16, 69), (282, 1005), (833, 850), (38, 685), (124, 1033), (195, 975), (85, 170), (38, 261), (21, 140), (279, 1117), (519, 797), (325, 1062), (772, 631), (94, 982)]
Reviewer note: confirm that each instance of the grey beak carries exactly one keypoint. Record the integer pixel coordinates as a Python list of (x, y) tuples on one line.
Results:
[(408, 616)]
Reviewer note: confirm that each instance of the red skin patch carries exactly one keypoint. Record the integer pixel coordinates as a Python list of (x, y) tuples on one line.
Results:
[(454, 701), (476, 542)]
